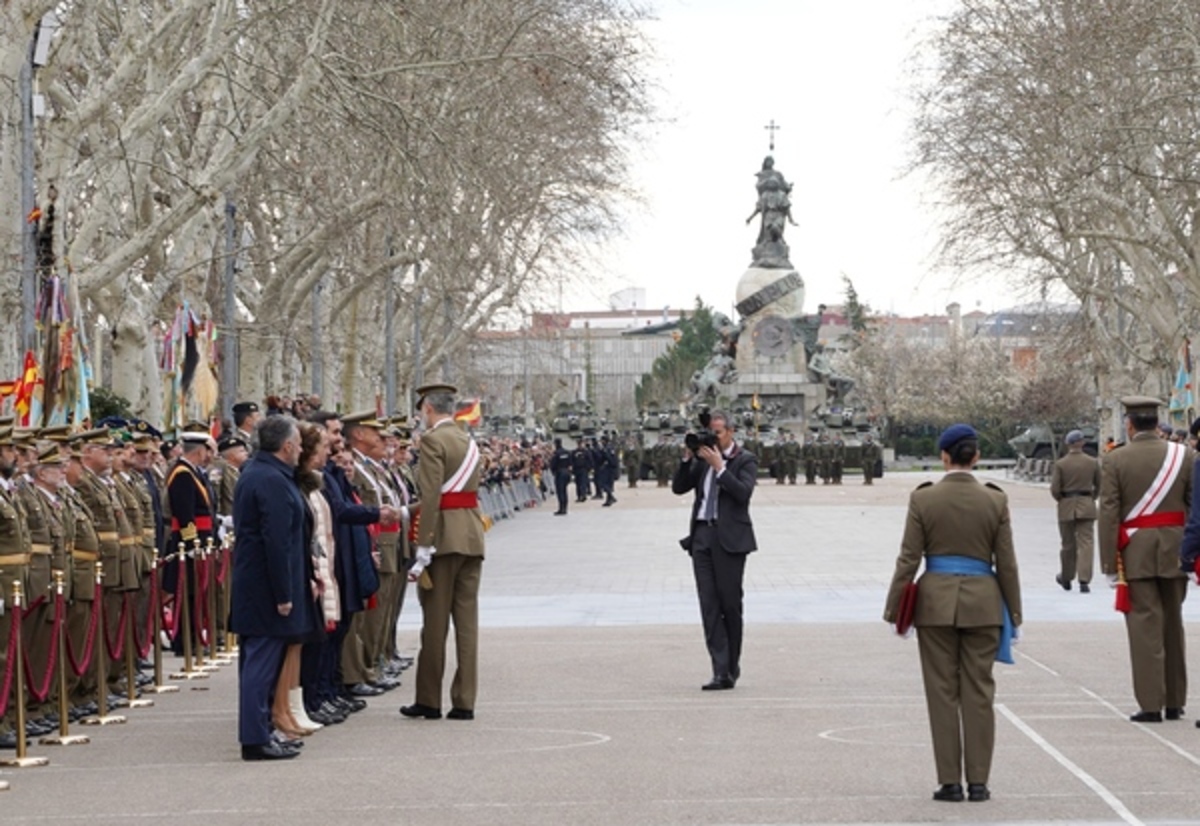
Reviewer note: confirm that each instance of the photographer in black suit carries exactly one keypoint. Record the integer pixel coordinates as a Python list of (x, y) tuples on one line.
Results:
[(720, 537)]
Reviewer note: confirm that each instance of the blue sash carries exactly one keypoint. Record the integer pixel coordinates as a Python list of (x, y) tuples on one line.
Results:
[(970, 566)]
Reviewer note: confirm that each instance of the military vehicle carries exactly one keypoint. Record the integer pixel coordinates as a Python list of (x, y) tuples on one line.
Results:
[(575, 422), (1045, 441)]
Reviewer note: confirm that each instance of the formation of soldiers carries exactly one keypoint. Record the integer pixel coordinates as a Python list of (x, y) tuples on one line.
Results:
[(822, 456), (92, 528)]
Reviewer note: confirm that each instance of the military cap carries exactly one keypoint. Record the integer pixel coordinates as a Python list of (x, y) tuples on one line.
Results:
[(954, 434), (6, 437), (245, 407), (101, 436), (197, 436), (51, 456), (364, 418), (1135, 405), (54, 433), (143, 427), (7, 421), (230, 442), (1074, 437), (143, 442), (24, 438), (425, 389), (112, 422), (196, 426)]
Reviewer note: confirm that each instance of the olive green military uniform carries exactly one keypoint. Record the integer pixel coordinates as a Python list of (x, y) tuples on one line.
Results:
[(791, 459), (223, 477), (1075, 484), (14, 567), (870, 457), (632, 458), (375, 490), (46, 545), (825, 459), (84, 547), (958, 618), (1157, 586), (809, 454), (837, 459)]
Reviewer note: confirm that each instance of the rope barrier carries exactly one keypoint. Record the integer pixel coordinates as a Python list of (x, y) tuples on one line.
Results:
[(40, 694), (89, 643), (14, 632), (115, 651)]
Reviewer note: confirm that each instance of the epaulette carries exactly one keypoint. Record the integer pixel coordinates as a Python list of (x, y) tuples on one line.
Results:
[(924, 485), (994, 486)]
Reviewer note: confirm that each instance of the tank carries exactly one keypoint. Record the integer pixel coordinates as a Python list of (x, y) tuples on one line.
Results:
[(1045, 441), (574, 422), (853, 426)]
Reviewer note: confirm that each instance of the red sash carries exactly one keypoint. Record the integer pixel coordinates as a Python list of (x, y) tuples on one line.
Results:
[(203, 523), (459, 500), (1163, 519)]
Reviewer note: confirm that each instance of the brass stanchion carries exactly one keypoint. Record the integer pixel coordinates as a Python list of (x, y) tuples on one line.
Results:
[(214, 659), (184, 608), (201, 553), (230, 637), (64, 737), (21, 761), (100, 653), (159, 686), (131, 687)]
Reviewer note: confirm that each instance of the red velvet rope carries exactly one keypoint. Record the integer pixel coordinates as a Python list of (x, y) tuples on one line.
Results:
[(223, 571), (40, 694), (13, 633), (89, 643), (200, 601), (115, 651)]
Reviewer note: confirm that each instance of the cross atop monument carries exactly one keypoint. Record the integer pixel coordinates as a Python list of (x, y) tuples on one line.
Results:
[(772, 128)]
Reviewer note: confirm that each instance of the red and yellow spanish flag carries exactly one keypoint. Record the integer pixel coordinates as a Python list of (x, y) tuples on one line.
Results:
[(469, 411), (25, 387)]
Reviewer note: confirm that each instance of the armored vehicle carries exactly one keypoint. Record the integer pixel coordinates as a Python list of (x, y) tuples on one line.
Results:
[(1045, 441), (853, 426)]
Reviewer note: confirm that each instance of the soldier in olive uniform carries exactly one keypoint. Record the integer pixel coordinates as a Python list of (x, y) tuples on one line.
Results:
[(870, 458), (84, 548), (969, 603), (825, 458), (47, 547), (632, 458), (223, 474), (1075, 484), (1145, 493), (791, 458), (98, 492), (581, 466), (14, 567), (809, 454), (837, 459)]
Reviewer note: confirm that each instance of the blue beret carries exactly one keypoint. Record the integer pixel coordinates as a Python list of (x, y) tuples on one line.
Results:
[(1074, 436), (954, 434)]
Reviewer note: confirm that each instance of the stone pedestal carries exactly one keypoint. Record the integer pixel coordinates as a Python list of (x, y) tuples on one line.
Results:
[(771, 361)]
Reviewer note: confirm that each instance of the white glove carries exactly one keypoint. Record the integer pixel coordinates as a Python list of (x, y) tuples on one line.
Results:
[(405, 516), (1113, 579), (424, 556), (225, 527)]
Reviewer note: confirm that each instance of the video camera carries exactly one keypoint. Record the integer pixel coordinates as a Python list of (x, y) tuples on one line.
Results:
[(704, 437)]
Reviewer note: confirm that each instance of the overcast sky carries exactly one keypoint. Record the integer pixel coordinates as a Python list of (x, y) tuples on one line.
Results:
[(831, 74)]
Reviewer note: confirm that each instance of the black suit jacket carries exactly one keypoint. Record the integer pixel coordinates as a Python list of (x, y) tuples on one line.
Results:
[(733, 489)]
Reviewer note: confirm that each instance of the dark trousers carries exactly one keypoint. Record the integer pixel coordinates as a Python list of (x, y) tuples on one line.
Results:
[(328, 683), (259, 660), (561, 481), (719, 586)]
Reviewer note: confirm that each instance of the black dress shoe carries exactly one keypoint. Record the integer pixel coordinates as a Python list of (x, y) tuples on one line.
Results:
[(365, 690), (268, 751), (460, 714), (977, 792), (1084, 588), (420, 711), (8, 740), (1066, 586), (560, 513), (949, 792), (719, 682), (1175, 713), (348, 705), (1146, 717), (335, 714)]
